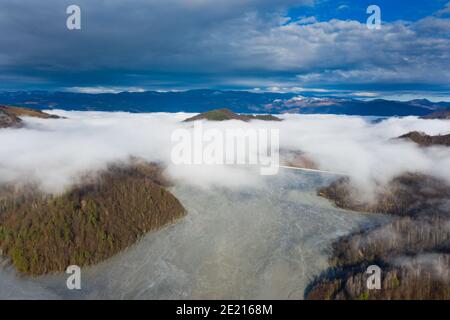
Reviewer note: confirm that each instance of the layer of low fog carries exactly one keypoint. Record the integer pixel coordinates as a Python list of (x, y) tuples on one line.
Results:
[(53, 153), (265, 243), (246, 235)]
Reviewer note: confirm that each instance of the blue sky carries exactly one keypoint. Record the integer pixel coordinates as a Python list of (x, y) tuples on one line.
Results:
[(392, 10), (320, 47)]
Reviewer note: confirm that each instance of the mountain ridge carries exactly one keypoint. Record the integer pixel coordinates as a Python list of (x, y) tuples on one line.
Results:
[(226, 114), (202, 100)]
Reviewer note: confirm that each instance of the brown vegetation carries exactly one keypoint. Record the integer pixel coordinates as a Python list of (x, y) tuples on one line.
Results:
[(225, 114), (297, 159), (9, 120), (26, 112), (92, 221), (413, 250), (10, 116), (419, 278), (441, 114), (407, 194), (425, 140), (404, 236)]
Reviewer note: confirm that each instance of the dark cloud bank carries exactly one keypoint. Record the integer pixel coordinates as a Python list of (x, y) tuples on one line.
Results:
[(179, 44)]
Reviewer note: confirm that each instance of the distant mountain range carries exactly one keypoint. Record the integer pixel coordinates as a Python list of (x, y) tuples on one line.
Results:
[(377, 107), (204, 100)]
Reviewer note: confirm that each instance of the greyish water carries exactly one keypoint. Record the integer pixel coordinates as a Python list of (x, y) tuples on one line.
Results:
[(267, 242)]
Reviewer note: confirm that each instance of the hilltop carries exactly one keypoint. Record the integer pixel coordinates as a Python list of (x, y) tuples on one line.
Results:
[(9, 120), (425, 140), (10, 117), (226, 114), (441, 114), (92, 221)]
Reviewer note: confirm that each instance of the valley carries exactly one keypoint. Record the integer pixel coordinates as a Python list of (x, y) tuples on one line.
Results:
[(141, 227)]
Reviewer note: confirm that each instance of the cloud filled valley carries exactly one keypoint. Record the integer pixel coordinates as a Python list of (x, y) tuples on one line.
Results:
[(226, 149), (266, 227), (52, 153)]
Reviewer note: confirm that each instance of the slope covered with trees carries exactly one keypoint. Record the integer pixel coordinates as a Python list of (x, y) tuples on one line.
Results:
[(226, 114), (95, 219), (413, 251)]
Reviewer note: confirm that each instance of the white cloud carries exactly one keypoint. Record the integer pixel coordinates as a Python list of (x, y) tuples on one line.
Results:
[(236, 39), (55, 152), (365, 94), (444, 11), (343, 7), (307, 20), (96, 90), (294, 90)]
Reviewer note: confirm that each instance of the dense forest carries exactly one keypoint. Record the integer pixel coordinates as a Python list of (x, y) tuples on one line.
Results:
[(226, 114), (413, 250), (98, 217)]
